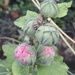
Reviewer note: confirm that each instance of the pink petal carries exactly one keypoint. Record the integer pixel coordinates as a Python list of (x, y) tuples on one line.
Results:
[(48, 50), (22, 53)]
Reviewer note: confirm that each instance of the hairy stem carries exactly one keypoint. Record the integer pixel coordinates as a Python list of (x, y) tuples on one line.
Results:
[(12, 39)]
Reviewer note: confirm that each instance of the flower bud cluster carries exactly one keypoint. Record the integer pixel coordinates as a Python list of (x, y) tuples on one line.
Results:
[(27, 55), (42, 33)]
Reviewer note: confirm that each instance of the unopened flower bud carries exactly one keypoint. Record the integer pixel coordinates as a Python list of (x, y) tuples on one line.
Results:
[(48, 8), (45, 55), (25, 55), (47, 34), (28, 28)]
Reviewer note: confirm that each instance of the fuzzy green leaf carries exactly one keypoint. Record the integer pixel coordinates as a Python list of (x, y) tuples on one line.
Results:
[(21, 21), (63, 9), (3, 70), (19, 70), (57, 68), (9, 52)]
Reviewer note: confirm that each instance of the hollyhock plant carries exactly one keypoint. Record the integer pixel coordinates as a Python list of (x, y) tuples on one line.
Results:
[(25, 55), (37, 53), (45, 55)]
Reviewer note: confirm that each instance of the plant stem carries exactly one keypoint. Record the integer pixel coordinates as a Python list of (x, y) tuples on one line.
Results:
[(62, 32), (67, 43), (12, 39), (49, 19), (70, 73), (4, 73), (38, 2), (5, 68), (35, 4)]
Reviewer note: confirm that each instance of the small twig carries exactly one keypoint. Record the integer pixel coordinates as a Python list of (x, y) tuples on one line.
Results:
[(12, 39), (49, 19), (38, 2), (6, 3), (67, 43), (35, 4), (70, 73)]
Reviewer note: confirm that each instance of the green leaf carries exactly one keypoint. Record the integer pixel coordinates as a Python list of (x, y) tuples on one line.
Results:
[(3, 70), (1, 2), (19, 70), (9, 52), (57, 68), (63, 9), (21, 21)]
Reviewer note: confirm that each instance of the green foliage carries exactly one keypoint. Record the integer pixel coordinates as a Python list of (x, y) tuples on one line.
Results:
[(21, 21), (22, 6), (9, 52), (3, 70), (1, 2), (73, 5), (63, 9), (57, 68), (19, 70)]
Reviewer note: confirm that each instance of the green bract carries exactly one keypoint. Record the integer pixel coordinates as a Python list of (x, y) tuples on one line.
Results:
[(47, 35), (28, 28), (48, 8), (45, 55)]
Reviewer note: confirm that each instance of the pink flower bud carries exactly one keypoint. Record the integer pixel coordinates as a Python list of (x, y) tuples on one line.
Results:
[(48, 50), (45, 55), (25, 54)]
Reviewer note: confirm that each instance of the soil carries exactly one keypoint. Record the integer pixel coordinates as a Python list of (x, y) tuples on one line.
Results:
[(7, 29)]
